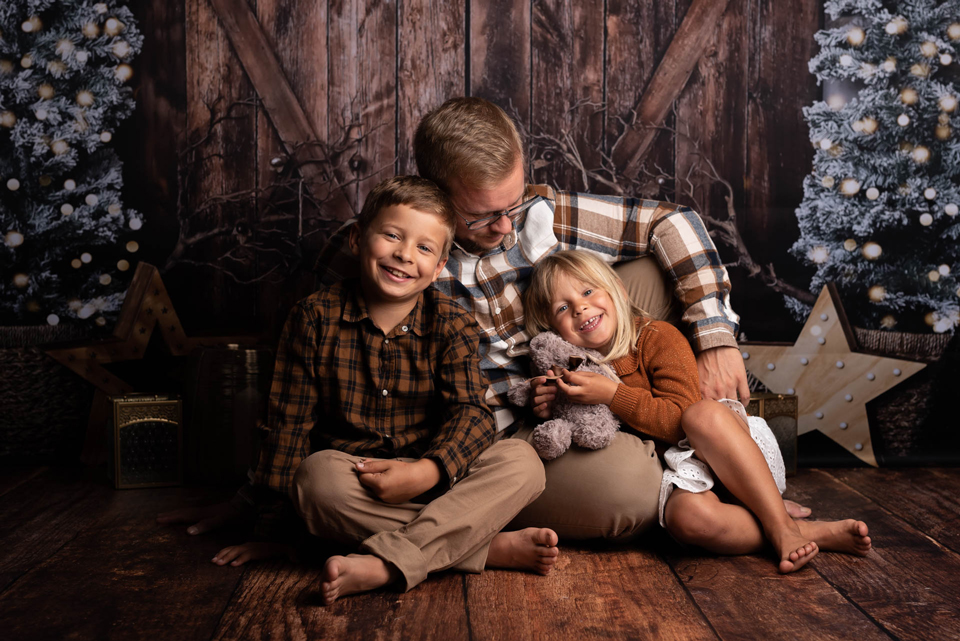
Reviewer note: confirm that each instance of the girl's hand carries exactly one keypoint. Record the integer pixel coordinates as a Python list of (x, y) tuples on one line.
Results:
[(544, 395), (254, 550), (587, 388)]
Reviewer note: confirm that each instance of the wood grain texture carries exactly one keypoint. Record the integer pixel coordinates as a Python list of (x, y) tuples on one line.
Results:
[(907, 584), (689, 43), (12, 478), (227, 165), (614, 593), (500, 55), (638, 34), (779, 153), (40, 515), (297, 32), (712, 111), (116, 574), (362, 98), (927, 499), (746, 598), (279, 600), (572, 32), (430, 67)]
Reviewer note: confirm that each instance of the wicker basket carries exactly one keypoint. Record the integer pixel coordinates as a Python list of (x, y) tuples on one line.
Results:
[(912, 423), (44, 406)]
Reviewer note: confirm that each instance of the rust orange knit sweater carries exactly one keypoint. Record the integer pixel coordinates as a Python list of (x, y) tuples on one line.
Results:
[(659, 381)]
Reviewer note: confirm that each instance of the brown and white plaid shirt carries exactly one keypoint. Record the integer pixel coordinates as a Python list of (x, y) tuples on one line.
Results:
[(341, 383), (615, 228)]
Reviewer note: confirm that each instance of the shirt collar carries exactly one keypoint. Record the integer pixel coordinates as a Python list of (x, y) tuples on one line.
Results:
[(355, 310)]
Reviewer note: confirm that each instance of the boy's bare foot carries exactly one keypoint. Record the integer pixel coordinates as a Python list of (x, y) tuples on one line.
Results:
[(795, 510), (849, 536), (343, 575), (794, 549), (533, 549)]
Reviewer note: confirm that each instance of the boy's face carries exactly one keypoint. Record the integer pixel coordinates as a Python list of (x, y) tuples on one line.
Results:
[(400, 253)]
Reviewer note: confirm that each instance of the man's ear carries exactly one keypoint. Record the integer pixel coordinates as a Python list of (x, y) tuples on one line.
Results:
[(354, 239), (440, 266)]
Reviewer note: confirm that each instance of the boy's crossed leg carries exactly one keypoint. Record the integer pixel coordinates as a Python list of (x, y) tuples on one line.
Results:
[(457, 529)]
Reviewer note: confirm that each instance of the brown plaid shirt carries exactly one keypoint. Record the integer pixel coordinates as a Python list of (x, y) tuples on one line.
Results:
[(613, 227), (340, 383)]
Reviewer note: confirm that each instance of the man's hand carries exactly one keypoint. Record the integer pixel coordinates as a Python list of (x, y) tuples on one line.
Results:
[(588, 388), (397, 481), (206, 518), (544, 395), (722, 374)]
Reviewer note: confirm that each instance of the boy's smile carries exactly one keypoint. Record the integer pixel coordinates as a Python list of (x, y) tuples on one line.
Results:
[(401, 253), (582, 314)]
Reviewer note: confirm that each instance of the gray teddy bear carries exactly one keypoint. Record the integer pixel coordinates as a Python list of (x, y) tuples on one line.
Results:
[(589, 426)]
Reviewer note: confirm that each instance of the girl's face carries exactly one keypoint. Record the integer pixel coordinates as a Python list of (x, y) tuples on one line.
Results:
[(582, 314)]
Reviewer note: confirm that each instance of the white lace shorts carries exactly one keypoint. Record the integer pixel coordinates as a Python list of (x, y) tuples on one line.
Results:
[(686, 472)]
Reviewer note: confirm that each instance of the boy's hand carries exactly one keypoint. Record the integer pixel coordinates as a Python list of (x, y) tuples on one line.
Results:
[(587, 388), (544, 395), (205, 518), (251, 551), (397, 481)]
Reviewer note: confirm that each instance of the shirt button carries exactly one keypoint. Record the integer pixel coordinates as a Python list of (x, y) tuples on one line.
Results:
[(386, 341), (385, 392), (404, 328), (496, 310)]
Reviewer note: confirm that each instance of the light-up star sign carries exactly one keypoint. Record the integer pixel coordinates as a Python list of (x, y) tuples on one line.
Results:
[(833, 383)]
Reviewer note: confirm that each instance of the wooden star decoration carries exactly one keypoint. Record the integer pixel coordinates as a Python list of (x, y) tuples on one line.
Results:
[(146, 306), (832, 382)]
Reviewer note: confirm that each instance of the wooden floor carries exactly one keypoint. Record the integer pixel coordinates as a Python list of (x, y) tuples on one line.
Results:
[(79, 560)]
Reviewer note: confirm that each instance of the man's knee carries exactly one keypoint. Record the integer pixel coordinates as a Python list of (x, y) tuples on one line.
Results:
[(647, 286), (521, 460)]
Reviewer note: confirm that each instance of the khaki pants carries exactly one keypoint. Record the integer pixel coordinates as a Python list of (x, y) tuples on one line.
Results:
[(452, 530), (610, 493)]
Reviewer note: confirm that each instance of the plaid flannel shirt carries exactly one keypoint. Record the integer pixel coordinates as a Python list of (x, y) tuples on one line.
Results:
[(340, 383), (615, 228)]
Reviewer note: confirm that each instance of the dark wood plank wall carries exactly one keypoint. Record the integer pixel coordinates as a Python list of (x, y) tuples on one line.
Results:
[(365, 71)]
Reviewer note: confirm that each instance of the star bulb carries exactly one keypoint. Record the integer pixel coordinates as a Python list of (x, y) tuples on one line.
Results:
[(8, 119), (123, 73), (123, 265), (826, 143), (951, 209), (903, 120), (59, 147), (53, 319), (69, 184), (920, 70), (85, 98), (20, 281), (953, 31), (888, 322), (91, 200), (828, 182), (90, 30), (920, 154), (889, 65), (928, 49), (946, 59), (45, 91), (66, 209), (929, 193), (944, 270), (926, 220), (105, 279), (877, 293), (13, 184), (869, 125), (909, 96), (933, 275), (948, 103), (846, 60), (850, 244), (896, 26), (106, 136), (133, 246), (120, 49), (873, 193), (85, 257)]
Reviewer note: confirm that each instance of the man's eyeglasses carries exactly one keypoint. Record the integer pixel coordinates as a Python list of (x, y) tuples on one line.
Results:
[(512, 213)]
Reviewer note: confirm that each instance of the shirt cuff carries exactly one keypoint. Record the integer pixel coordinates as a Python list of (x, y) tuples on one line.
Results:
[(708, 338)]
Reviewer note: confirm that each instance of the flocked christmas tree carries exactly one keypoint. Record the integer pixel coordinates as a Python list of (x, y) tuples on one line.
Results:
[(64, 67), (879, 214)]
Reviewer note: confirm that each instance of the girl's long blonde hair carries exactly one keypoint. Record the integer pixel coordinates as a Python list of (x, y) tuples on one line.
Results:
[(589, 268)]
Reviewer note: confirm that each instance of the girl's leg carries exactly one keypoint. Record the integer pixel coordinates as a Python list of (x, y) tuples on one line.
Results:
[(701, 519), (722, 440)]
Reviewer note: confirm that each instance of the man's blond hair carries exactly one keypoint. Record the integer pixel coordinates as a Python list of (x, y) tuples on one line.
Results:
[(589, 268), (467, 138)]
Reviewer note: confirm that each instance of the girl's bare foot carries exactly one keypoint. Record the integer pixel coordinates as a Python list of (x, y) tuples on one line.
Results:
[(533, 549), (849, 536), (343, 575), (794, 549)]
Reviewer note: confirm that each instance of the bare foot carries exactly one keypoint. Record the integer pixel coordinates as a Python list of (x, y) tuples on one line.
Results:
[(794, 549), (533, 549), (795, 510), (849, 536), (343, 575)]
